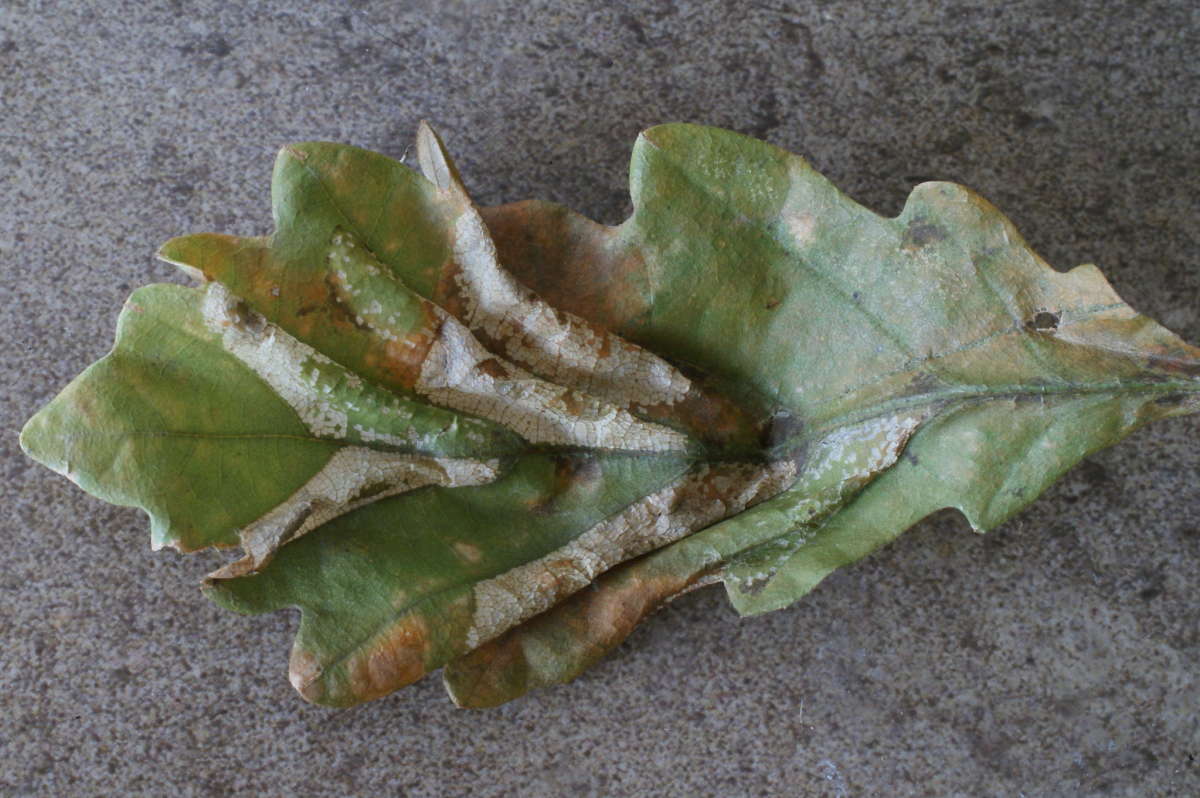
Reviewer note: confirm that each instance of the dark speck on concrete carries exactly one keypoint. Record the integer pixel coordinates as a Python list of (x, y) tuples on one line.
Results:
[(215, 45), (1094, 473), (1150, 592), (631, 23), (953, 142)]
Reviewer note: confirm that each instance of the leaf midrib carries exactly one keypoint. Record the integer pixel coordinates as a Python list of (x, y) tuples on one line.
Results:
[(965, 394), (931, 398)]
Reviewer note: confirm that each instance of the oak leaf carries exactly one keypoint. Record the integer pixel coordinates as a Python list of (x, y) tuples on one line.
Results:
[(431, 426)]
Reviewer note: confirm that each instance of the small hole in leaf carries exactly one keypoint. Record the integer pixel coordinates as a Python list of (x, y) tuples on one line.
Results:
[(1044, 321)]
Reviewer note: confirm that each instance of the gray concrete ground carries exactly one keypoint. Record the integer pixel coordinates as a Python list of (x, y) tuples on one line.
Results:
[(1055, 657)]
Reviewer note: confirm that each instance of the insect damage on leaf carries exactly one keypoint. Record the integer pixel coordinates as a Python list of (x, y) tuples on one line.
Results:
[(493, 439)]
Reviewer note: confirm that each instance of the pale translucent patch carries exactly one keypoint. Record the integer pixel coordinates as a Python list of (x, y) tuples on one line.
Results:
[(339, 487), (433, 159), (468, 551), (691, 502), (800, 226), (455, 373), (861, 449), (802, 212)]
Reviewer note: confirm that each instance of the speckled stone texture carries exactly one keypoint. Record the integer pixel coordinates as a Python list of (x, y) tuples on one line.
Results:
[(1057, 656)]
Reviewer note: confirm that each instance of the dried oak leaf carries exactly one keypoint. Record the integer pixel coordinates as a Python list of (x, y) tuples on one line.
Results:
[(429, 426)]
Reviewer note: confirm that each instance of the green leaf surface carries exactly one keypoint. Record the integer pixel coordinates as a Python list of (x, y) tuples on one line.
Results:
[(389, 591), (431, 426), (170, 402)]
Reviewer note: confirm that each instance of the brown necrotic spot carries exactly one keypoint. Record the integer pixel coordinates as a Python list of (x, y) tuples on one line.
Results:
[(584, 628), (1170, 400), (921, 383), (245, 317), (493, 368), (338, 312), (373, 489), (606, 343), (396, 658), (569, 261), (710, 417), (921, 233), (403, 357), (782, 427), (1175, 365), (572, 402), (571, 473), (448, 291), (601, 619), (1044, 320), (310, 296)]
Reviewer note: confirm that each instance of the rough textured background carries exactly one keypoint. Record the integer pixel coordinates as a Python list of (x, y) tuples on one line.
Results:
[(1055, 657)]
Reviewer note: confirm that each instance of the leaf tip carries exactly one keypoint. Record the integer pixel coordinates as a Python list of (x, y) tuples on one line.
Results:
[(48, 437), (304, 673), (488, 676), (182, 253), (434, 160), (296, 151), (203, 256), (31, 438)]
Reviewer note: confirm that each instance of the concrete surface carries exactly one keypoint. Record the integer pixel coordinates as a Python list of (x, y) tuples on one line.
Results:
[(1056, 657)]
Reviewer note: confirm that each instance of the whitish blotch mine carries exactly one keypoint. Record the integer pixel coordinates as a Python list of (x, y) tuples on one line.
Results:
[(556, 344), (333, 402), (691, 502), (551, 343), (460, 373), (455, 370), (354, 477), (838, 466)]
